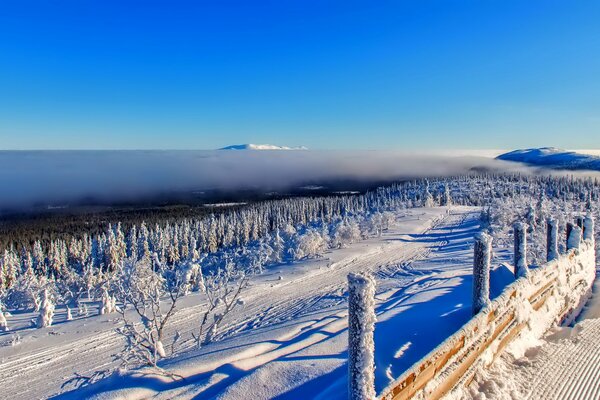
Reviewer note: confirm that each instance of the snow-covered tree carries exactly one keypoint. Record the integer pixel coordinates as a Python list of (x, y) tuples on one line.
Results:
[(152, 290)]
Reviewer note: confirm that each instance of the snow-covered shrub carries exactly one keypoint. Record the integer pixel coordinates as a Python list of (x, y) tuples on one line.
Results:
[(46, 314), (109, 303), (3, 321)]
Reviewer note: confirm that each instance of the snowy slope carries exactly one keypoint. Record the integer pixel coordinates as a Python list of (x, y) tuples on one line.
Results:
[(551, 157), (251, 146), (289, 339)]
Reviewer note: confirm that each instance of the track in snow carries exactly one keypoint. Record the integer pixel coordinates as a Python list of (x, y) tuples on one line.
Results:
[(290, 333)]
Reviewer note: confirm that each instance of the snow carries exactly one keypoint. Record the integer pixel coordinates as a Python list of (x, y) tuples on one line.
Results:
[(553, 158), (251, 146), (289, 338)]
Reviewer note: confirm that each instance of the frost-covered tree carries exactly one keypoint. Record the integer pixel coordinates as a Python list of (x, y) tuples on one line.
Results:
[(223, 289), (151, 289)]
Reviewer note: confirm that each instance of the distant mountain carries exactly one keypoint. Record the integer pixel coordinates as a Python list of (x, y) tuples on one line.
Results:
[(551, 157), (261, 147)]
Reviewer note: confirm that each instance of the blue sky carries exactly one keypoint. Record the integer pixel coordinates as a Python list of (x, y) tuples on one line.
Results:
[(399, 74)]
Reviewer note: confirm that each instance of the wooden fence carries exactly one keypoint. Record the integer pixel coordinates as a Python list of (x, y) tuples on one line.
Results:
[(536, 300)]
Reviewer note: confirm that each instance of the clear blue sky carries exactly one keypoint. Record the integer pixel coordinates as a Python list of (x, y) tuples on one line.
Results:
[(397, 74)]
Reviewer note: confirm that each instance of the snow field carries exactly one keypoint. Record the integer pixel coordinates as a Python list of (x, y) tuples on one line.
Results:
[(289, 340)]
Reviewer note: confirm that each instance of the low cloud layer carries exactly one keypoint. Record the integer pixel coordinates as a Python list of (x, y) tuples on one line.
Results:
[(55, 177)]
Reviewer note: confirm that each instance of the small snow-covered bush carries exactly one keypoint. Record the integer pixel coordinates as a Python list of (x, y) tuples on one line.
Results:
[(46, 314), (3, 321)]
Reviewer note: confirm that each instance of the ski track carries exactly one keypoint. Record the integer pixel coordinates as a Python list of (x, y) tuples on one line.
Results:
[(38, 373), (568, 368)]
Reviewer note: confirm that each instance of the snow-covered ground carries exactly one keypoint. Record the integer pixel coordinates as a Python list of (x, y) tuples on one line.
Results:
[(563, 366), (289, 338)]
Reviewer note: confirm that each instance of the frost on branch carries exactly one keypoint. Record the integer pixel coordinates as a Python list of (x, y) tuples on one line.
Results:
[(361, 327)]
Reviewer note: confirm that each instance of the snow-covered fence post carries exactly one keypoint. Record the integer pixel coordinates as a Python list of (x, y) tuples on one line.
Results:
[(588, 227), (481, 271), (520, 249), (569, 229), (552, 240), (574, 238), (361, 345)]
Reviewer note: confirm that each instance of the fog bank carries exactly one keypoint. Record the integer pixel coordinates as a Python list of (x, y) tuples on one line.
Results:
[(56, 177)]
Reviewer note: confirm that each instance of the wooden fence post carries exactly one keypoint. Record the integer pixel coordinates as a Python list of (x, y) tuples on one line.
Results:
[(520, 249), (481, 271), (569, 229), (552, 240), (588, 227), (361, 345), (574, 238)]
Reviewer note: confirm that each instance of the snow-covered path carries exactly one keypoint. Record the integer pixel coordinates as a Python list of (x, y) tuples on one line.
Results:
[(289, 339), (564, 365)]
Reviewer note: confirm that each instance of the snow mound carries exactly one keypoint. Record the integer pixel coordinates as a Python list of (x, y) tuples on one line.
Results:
[(251, 146), (552, 157)]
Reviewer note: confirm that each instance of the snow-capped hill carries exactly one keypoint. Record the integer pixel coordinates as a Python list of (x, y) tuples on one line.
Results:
[(251, 146), (552, 157)]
